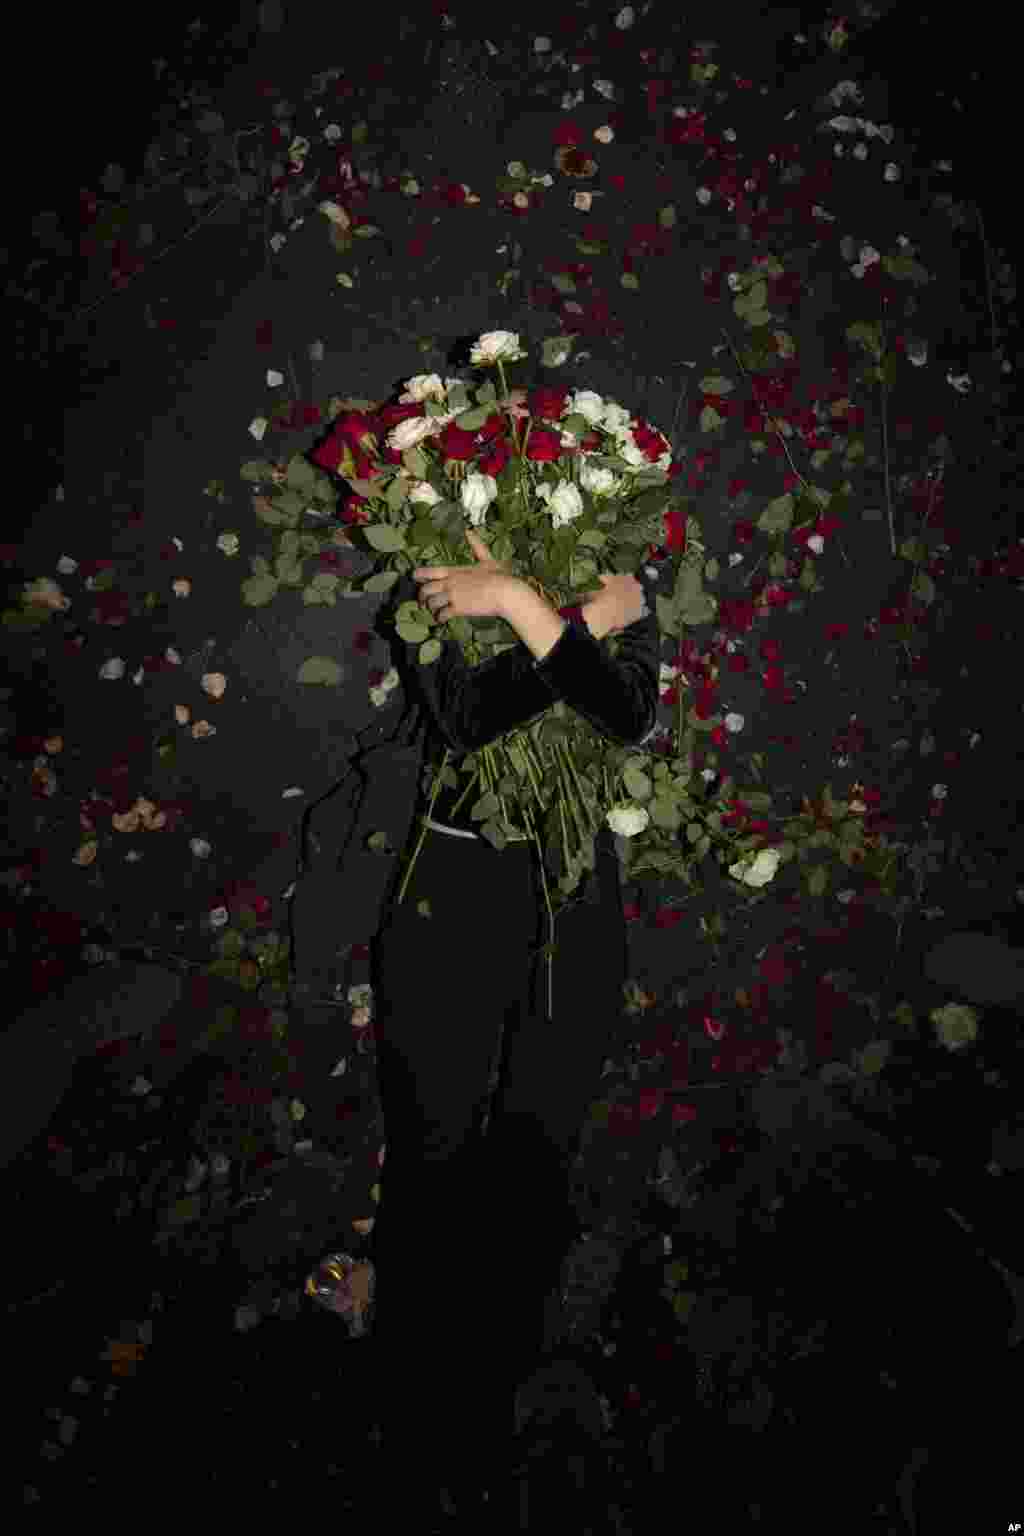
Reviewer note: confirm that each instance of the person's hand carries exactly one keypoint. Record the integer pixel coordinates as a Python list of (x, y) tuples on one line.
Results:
[(465, 591), (619, 603)]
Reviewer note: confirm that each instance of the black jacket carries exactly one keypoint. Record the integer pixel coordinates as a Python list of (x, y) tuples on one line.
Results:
[(450, 704)]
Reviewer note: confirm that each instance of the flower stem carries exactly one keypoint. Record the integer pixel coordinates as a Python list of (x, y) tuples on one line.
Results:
[(423, 833)]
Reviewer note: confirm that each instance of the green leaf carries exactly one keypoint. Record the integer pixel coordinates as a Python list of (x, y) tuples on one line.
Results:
[(256, 469), (667, 216), (923, 587), (710, 419), (716, 384), (184, 1211), (382, 581), (270, 513), (777, 516), (259, 590), (301, 476), (629, 280), (383, 537), (472, 420), (319, 669), (699, 609)]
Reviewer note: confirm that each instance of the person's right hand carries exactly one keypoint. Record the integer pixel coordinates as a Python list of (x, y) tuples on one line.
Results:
[(619, 603)]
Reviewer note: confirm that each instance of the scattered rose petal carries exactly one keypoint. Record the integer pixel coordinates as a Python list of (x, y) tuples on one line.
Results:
[(112, 670), (218, 917), (274, 379), (202, 729), (258, 428), (46, 594), (86, 854), (199, 848), (182, 714), (336, 214), (67, 566), (214, 684), (181, 587), (53, 744), (290, 794)]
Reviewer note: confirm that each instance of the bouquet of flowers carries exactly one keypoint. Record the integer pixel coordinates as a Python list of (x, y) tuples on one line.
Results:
[(567, 486)]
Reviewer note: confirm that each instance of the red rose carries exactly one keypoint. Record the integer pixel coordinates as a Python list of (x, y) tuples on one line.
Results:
[(544, 446), (494, 462), (390, 415), (547, 402), (494, 426), (456, 443)]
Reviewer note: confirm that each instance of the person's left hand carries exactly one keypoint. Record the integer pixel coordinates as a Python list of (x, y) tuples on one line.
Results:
[(465, 591)]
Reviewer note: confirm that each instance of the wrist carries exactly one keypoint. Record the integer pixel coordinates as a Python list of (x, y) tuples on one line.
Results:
[(577, 614)]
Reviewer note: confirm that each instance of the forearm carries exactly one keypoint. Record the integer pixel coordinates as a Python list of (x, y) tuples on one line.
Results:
[(537, 624)]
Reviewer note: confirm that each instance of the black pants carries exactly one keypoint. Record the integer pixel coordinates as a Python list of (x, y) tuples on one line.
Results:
[(473, 1226)]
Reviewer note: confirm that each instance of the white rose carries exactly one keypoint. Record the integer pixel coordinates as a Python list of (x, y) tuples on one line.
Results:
[(423, 494), (476, 495), (496, 346), (422, 386), (564, 502), (616, 418), (955, 1024), (627, 820), (634, 456), (759, 870), (588, 404), (599, 482), (411, 431)]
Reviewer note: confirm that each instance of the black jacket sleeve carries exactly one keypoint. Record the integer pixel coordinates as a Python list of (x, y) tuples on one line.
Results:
[(472, 706)]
